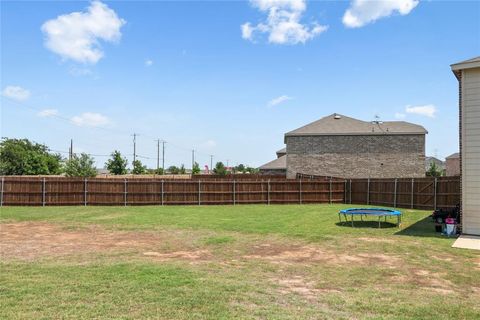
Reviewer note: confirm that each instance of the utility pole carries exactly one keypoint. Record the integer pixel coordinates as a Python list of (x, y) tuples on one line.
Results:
[(227, 162), (158, 154), (134, 147), (163, 156), (211, 162), (193, 159), (71, 150)]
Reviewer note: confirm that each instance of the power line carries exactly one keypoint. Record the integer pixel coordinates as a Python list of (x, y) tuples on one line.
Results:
[(115, 131)]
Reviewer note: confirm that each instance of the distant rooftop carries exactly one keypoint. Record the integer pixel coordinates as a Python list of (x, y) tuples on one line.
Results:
[(453, 156), (337, 124), (279, 163)]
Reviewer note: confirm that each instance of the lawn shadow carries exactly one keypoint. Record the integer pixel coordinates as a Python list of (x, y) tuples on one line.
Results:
[(367, 224), (421, 228)]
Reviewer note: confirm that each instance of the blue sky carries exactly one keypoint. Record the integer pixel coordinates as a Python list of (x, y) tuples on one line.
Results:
[(227, 78)]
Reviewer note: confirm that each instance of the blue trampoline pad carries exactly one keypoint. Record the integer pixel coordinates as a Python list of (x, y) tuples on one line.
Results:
[(371, 211)]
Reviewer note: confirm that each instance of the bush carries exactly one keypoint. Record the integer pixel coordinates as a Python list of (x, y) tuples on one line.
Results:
[(80, 166), (138, 167)]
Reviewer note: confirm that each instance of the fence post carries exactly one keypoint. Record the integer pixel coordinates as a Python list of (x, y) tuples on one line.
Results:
[(199, 192), (162, 192), (1, 194), (395, 195), (435, 194), (345, 191), (330, 190), (43, 192), (300, 190), (268, 192), (368, 191), (411, 195), (233, 192), (125, 193), (85, 193), (350, 189)]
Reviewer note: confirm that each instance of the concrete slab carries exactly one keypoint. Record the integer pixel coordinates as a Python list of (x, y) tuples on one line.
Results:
[(467, 242)]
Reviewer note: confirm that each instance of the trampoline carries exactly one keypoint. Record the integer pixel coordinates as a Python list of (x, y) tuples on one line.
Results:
[(375, 212)]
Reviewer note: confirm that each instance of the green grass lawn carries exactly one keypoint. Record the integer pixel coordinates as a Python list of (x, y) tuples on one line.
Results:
[(223, 262)]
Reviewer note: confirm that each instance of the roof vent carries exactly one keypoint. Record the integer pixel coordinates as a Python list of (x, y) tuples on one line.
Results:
[(337, 116)]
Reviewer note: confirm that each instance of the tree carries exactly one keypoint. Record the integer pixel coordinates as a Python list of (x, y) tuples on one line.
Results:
[(117, 164), (240, 168), (138, 167), (23, 157), (434, 170), (159, 171), (80, 166), (182, 169), (251, 170), (220, 169), (196, 168), (173, 170)]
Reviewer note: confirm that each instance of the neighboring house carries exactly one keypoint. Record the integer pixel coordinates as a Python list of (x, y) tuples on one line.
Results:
[(452, 164), (439, 163), (277, 166), (468, 75), (341, 146)]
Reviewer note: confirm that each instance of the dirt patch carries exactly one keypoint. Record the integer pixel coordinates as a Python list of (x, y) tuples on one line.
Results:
[(35, 240), (423, 279), (376, 240), (285, 253), (189, 255), (301, 286)]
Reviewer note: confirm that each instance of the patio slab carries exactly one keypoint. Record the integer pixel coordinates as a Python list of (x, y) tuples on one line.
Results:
[(467, 242)]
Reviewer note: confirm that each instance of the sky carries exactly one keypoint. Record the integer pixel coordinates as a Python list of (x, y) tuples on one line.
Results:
[(226, 78)]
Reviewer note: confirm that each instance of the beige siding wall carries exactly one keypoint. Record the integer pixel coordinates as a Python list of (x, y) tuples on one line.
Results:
[(471, 150)]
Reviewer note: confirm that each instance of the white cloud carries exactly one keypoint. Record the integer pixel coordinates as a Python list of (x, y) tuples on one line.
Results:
[(16, 93), (282, 23), (399, 115), (363, 12), (47, 113), (279, 100), (76, 35), (427, 110), (148, 62), (90, 119)]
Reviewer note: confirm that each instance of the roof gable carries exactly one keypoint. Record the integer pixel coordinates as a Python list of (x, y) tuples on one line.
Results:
[(336, 124)]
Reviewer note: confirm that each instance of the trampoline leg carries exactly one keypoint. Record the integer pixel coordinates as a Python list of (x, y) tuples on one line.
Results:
[(379, 222), (339, 217), (352, 220)]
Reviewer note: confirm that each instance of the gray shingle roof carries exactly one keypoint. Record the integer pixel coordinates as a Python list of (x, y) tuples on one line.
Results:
[(336, 124), (279, 163), (453, 156), (281, 151)]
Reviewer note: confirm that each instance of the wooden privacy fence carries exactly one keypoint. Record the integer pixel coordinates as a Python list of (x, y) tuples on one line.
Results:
[(70, 191), (414, 193), (418, 193)]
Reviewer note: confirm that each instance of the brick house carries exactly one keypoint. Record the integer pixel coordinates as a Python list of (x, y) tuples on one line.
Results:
[(452, 165), (341, 146)]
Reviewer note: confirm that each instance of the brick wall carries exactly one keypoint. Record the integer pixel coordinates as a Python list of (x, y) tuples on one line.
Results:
[(379, 156), (452, 167)]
